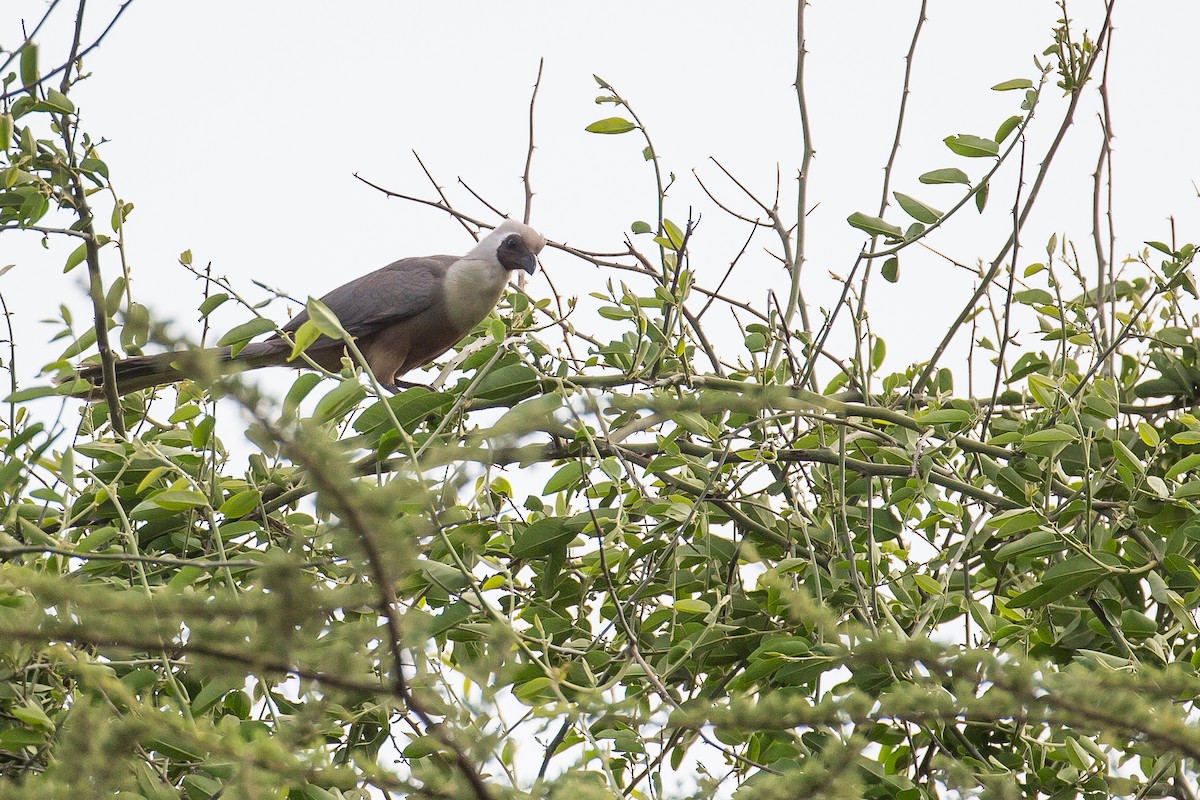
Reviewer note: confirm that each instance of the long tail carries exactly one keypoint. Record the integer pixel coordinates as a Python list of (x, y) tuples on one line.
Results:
[(142, 372)]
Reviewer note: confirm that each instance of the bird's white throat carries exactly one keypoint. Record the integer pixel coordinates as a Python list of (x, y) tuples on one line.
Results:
[(472, 288)]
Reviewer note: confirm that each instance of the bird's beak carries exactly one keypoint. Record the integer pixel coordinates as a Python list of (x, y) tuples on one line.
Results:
[(529, 263)]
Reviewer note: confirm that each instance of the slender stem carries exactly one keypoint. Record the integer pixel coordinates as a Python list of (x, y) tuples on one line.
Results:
[(529, 154), (888, 168), (795, 300), (91, 247)]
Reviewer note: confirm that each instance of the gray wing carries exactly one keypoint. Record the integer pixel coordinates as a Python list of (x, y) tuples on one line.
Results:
[(386, 296)]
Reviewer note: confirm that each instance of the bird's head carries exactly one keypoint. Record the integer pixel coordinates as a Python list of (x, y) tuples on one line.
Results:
[(515, 245)]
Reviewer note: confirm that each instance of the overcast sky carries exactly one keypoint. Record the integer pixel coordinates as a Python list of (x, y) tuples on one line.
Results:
[(236, 128)]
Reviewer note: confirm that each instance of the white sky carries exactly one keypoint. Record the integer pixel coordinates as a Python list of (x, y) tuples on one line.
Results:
[(236, 128)]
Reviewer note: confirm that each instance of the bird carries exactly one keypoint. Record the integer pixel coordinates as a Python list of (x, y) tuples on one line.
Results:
[(401, 316)]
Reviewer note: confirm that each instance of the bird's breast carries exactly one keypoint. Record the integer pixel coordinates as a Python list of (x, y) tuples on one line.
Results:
[(471, 291)]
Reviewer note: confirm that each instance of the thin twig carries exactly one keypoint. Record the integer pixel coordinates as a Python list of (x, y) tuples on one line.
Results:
[(481, 199), (91, 246), (905, 91), (1006, 335), (1104, 262), (529, 154), (795, 295), (728, 272), (446, 203)]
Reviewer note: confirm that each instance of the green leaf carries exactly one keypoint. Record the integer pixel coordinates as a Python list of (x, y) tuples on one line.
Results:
[(76, 258), (120, 213), (541, 538), (506, 385), (97, 166), (28, 144), (300, 389), (689, 605), (536, 692), (246, 331), (32, 393), (324, 319), (674, 234), (29, 64), (1136, 625), (345, 396), (916, 209), (33, 716), (971, 146), (1044, 390), (1007, 127), (611, 125), (102, 451), (1015, 83), (136, 329), (176, 747), (305, 335), (1034, 297), (1185, 464), (891, 270), (184, 413), (241, 503), (873, 225), (1038, 543), (211, 693), (410, 408), (949, 175), (981, 197), (566, 476), (1048, 437), (179, 499), (943, 416), (1126, 457), (641, 227), (15, 739), (878, 352), (59, 101), (239, 704), (1065, 579), (212, 303), (1147, 434), (95, 539)]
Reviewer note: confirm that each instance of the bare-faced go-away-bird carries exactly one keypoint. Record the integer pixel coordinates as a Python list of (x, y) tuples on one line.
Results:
[(401, 316)]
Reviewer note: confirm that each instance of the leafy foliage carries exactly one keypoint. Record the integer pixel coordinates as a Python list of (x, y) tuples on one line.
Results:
[(603, 554)]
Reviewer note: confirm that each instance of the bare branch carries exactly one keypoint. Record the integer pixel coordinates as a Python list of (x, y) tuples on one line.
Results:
[(529, 155)]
